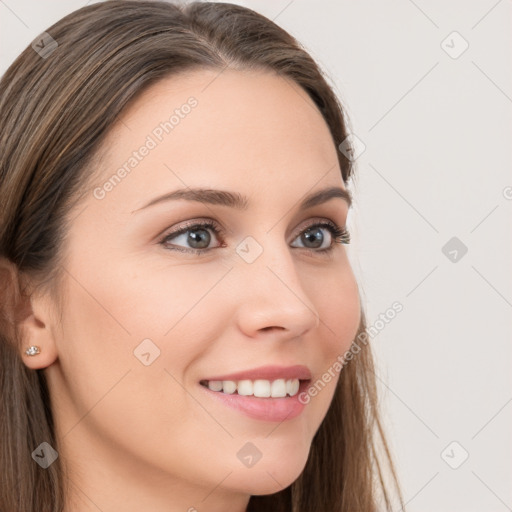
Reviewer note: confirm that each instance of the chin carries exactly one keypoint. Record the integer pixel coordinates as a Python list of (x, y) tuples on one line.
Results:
[(270, 476)]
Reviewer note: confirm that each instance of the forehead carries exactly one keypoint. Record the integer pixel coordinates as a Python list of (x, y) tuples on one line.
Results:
[(231, 129)]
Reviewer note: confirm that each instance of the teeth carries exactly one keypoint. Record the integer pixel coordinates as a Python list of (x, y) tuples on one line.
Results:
[(228, 386), (245, 387), (292, 386), (215, 385), (261, 388), (258, 388), (278, 388)]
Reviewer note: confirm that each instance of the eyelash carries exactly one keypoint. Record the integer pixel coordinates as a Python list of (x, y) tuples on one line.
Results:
[(340, 235)]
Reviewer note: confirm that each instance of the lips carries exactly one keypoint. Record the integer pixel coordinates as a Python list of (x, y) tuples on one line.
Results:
[(271, 372), (268, 393)]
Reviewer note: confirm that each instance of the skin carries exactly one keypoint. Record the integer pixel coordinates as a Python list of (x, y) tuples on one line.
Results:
[(136, 437)]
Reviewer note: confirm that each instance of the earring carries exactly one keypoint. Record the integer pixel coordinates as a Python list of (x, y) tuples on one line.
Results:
[(32, 351)]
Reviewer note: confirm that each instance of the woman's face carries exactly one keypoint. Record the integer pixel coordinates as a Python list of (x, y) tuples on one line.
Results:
[(150, 314)]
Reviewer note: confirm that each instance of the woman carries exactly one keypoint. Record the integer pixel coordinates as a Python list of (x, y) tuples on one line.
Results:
[(178, 307)]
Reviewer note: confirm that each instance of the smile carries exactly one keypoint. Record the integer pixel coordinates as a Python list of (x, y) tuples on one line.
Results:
[(260, 388)]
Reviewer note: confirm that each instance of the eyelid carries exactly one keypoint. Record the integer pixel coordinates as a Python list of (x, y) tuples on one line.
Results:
[(312, 221), (183, 227)]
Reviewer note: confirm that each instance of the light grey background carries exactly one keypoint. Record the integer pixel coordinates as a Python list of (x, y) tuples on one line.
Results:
[(437, 131)]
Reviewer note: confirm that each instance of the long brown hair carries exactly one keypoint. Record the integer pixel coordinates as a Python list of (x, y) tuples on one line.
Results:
[(55, 110)]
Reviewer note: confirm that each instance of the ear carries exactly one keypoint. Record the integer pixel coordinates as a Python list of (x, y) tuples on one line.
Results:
[(35, 324)]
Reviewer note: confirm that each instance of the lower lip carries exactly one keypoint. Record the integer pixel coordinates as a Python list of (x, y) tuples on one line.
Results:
[(265, 409)]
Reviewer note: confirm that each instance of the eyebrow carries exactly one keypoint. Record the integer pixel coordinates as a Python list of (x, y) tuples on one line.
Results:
[(240, 202)]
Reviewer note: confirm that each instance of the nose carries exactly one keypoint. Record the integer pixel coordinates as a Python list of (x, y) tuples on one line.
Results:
[(271, 295)]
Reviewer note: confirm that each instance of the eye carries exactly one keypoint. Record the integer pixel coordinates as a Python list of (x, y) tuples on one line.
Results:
[(197, 236), (313, 238)]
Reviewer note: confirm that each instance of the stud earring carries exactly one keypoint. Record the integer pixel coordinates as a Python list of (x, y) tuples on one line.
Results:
[(32, 351)]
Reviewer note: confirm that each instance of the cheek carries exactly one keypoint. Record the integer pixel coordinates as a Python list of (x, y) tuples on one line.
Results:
[(120, 316), (111, 320), (339, 307), (131, 300), (155, 299)]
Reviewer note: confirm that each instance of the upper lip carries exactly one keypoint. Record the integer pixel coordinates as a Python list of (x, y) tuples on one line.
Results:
[(271, 372)]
